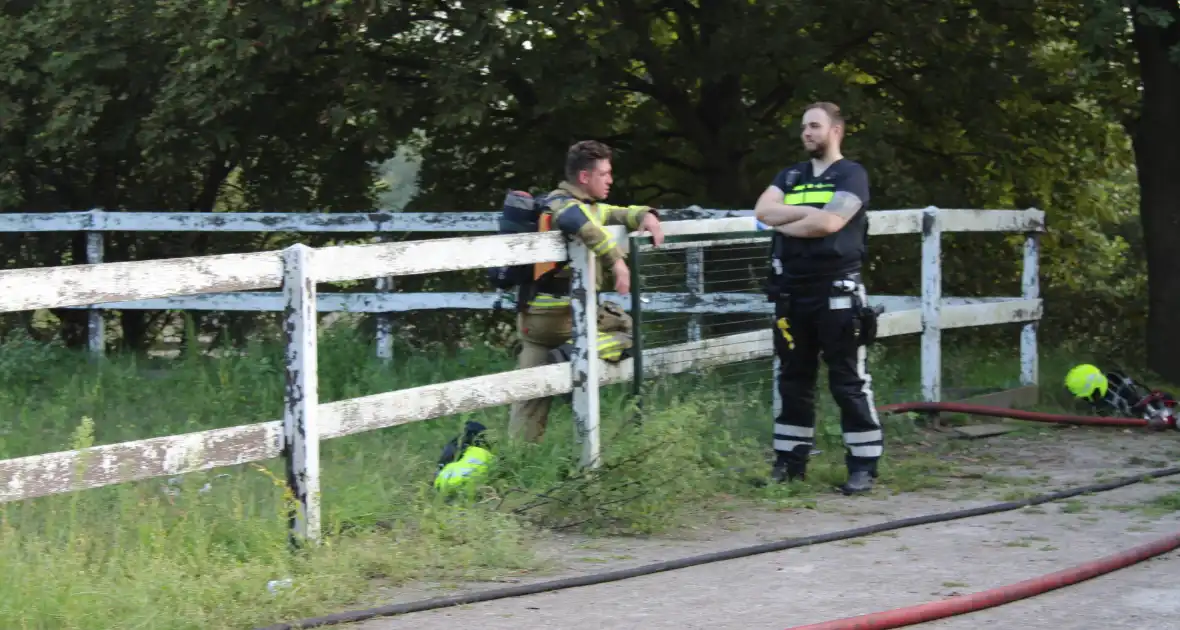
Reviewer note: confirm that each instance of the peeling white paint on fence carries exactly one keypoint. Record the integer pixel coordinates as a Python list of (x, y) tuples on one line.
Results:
[(969, 315), (362, 262), (1031, 288), (384, 323), (658, 302), (931, 305), (301, 434), (296, 436), (675, 221), (903, 221), (584, 363), (366, 413), (41, 475), (311, 222), (899, 323), (81, 285), (96, 338), (882, 222), (69, 471), (991, 220)]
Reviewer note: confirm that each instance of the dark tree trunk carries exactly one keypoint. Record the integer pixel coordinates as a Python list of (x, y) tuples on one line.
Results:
[(1157, 155)]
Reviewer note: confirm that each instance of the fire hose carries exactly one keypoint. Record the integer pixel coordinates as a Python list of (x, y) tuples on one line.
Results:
[(900, 617), (959, 605), (1020, 414)]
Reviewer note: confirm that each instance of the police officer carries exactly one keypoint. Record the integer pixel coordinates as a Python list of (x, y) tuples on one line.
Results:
[(817, 209), (544, 323)]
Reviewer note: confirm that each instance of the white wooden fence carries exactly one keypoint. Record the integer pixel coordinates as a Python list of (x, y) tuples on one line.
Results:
[(306, 421), (382, 302)]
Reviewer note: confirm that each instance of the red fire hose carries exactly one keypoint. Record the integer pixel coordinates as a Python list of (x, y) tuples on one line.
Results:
[(1016, 414), (961, 604)]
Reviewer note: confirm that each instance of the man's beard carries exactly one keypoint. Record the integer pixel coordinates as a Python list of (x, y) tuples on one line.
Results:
[(820, 150)]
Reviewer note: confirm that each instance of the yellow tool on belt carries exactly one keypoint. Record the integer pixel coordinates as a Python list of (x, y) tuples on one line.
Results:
[(784, 327)]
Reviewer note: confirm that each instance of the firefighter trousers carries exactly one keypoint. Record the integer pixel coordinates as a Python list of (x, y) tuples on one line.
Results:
[(545, 338), (806, 327)]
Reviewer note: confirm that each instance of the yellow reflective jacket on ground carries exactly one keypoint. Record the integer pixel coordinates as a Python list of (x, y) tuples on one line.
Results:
[(470, 470)]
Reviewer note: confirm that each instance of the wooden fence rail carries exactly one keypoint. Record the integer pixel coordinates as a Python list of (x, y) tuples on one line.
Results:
[(383, 302), (306, 421)]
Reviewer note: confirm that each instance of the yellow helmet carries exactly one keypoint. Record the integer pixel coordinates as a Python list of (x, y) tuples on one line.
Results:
[(1085, 380)]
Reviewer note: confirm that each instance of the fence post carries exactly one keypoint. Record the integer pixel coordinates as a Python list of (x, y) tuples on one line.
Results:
[(95, 328), (384, 321), (301, 437), (695, 281), (1031, 290), (636, 318), (931, 305), (584, 363)]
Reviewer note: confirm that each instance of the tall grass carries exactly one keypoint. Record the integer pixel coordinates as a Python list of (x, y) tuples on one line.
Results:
[(198, 551)]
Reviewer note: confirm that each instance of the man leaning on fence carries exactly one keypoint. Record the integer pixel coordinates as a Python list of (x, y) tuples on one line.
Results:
[(544, 321)]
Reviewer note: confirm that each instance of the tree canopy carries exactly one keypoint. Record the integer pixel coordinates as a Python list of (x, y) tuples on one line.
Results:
[(1071, 107)]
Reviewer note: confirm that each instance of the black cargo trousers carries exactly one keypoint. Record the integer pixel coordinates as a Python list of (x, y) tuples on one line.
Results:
[(832, 320)]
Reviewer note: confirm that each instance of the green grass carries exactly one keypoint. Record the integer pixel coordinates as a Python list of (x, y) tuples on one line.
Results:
[(198, 551)]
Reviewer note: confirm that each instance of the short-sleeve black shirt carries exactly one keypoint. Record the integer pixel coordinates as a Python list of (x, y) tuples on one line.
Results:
[(807, 260), (842, 175)]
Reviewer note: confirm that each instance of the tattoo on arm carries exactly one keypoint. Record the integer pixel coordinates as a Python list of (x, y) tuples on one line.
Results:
[(844, 204)]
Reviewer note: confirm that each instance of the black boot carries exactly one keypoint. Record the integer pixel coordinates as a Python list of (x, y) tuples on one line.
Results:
[(859, 481), (789, 467), (861, 463)]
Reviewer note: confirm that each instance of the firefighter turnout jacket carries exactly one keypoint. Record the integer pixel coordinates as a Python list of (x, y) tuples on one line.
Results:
[(577, 214)]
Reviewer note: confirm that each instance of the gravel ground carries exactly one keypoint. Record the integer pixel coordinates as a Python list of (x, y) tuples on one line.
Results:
[(885, 571)]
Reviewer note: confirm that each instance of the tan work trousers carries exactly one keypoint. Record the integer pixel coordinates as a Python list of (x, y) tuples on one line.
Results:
[(543, 330)]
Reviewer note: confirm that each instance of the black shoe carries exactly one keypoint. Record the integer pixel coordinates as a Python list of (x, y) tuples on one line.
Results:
[(857, 463), (788, 471), (858, 482)]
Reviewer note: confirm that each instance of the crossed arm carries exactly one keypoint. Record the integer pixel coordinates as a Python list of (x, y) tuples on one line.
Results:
[(804, 221)]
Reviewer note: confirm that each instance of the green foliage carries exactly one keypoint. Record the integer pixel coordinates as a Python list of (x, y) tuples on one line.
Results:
[(306, 106), (703, 104), (198, 550), (655, 473)]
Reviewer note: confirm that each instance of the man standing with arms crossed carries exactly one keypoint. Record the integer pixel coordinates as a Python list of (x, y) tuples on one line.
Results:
[(817, 209), (544, 322)]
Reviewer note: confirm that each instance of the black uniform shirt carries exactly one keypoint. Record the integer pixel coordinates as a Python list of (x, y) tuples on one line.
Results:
[(810, 260)]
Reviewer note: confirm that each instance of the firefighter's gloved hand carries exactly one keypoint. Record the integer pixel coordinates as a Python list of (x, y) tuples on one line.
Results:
[(612, 348), (612, 317)]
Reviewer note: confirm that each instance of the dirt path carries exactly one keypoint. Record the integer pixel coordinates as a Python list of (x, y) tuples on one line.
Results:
[(909, 566)]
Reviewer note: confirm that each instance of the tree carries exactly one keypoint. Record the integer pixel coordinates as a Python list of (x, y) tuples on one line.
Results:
[(951, 103), (1134, 47), (155, 106), (1156, 137)]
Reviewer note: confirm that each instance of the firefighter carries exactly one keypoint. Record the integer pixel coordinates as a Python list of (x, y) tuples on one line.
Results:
[(544, 320), (817, 209)]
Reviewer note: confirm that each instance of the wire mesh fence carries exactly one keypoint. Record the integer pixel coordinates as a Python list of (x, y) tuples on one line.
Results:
[(705, 291)]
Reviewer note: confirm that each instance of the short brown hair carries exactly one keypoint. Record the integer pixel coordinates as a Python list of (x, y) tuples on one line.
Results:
[(831, 109), (583, 155)]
